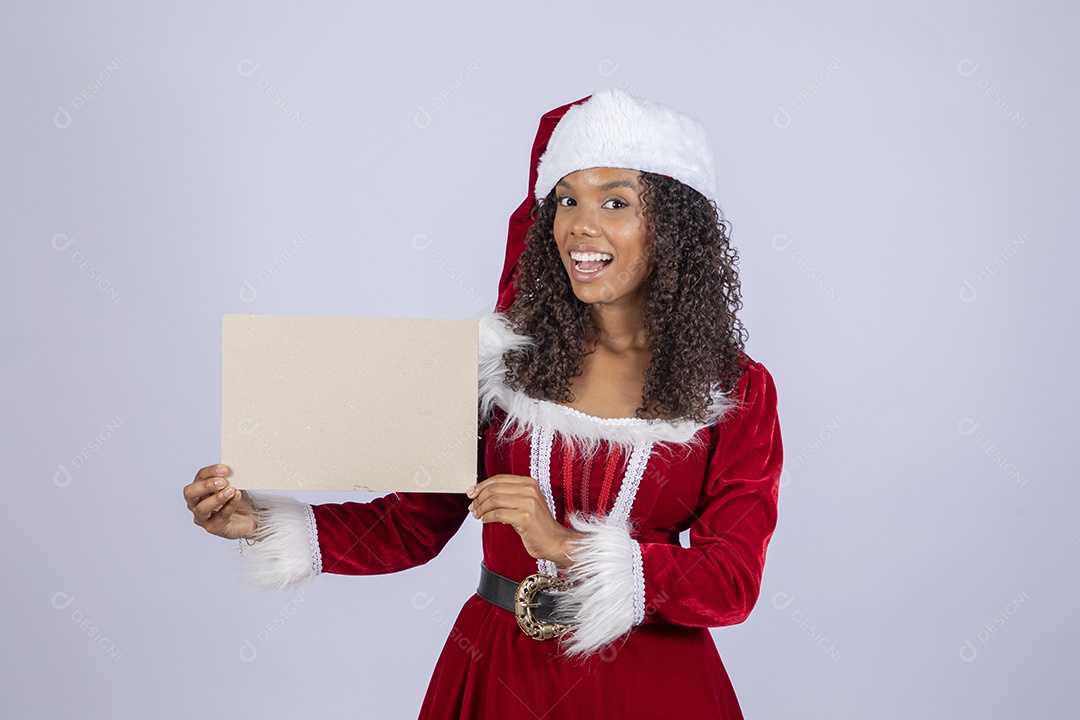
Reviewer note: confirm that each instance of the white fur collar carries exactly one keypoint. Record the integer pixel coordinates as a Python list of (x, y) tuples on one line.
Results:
[(573, 426)]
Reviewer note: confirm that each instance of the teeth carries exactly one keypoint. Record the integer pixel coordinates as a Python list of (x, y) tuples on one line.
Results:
[(586, 257)]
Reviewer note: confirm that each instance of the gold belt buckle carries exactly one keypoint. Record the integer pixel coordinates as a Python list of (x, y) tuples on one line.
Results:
[(523, 606)]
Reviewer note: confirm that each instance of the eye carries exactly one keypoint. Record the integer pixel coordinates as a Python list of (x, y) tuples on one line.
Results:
[(619, 204), (564, 201)]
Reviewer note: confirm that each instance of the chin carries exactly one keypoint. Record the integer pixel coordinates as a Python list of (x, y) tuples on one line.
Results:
[(593, 296), (595, 293), (585, 298), (585, 293)]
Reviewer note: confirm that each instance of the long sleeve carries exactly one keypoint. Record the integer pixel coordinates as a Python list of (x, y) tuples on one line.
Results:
[(621, 582), (717, 579), (391, 533), (296, 541)]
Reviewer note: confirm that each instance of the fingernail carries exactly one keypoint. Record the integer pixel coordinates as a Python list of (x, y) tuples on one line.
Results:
[(219, 482), (220, 469), (228, 492)]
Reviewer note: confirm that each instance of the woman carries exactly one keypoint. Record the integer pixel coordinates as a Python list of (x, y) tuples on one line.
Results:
[(617, 410)]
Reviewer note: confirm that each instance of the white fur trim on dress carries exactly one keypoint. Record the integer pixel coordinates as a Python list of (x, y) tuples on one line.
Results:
[(615, 129), (607, 597), (286, 548), (584, 431)]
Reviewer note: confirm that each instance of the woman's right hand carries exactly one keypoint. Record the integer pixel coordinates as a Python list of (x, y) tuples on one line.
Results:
[(219, 508)]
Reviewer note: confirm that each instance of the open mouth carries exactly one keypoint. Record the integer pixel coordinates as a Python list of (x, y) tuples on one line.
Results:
[(590, 262)]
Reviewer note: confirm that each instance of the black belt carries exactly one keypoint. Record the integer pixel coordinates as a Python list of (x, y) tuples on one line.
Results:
[(499, 590)]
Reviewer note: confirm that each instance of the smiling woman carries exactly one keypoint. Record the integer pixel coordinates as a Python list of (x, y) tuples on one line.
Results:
[(602, 235), (617, 409), (670, 291)]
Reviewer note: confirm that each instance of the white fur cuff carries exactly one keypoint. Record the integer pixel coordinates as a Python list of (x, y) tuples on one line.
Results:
[(607, 598), (286, 549)]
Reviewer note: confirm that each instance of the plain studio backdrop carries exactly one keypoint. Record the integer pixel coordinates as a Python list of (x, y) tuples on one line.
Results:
[(902, 182)]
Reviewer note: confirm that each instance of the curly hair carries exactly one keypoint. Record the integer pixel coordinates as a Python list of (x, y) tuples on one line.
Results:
[(692, 297)]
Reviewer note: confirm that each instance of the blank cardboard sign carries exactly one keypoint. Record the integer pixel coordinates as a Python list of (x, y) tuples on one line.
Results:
[(338, 403)]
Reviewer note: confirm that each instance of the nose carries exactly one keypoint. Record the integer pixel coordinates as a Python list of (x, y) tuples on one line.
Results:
[(583, 223)]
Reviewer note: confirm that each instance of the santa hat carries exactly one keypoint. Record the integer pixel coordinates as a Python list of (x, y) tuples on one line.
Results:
[(610, 128)]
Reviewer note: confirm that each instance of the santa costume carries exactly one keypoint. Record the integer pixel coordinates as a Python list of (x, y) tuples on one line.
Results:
[(634, 641)]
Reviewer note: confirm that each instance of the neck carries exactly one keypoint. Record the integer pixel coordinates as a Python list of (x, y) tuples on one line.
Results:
[(620, 326)]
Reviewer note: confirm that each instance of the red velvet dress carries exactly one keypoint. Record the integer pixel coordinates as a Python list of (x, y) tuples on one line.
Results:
[(658, 658)]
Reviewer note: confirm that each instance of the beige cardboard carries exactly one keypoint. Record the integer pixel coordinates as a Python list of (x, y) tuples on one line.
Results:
[(337, 403)]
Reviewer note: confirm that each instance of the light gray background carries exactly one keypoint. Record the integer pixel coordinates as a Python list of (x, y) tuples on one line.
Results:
[(902, 179)]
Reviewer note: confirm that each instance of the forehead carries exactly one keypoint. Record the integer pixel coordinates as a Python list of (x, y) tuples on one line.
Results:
[(602, 177)]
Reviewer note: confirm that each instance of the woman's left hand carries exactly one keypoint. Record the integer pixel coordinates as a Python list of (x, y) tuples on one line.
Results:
[(516, 500)]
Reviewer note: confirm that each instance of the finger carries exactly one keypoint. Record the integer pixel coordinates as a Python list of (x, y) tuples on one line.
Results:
[(200, 490), (196, 492), (228, 508), (478, 487), (210, 505), (212, 470), (204, 482), (500, 483), (505, 515), (490, 516), (496, 502), (521, 490), (214, 521), (495, 481)]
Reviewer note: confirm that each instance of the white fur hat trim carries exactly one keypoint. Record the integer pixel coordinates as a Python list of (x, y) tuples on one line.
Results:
[(615, 129)]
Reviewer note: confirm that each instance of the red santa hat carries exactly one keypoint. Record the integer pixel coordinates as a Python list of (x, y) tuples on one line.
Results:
[(610, 128)]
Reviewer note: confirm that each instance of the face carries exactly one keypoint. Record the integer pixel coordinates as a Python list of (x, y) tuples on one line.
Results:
[(602, 235)]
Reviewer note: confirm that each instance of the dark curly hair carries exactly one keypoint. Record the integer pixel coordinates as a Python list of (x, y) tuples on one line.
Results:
[(693, 294)]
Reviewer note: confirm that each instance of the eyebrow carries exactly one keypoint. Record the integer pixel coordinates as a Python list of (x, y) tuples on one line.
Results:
[(606, 186)]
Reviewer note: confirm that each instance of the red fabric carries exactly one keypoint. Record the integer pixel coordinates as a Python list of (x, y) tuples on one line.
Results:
[(724, 491), (520, 222), (738, 500), (389, 534)]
